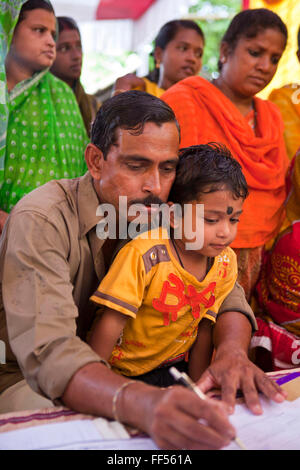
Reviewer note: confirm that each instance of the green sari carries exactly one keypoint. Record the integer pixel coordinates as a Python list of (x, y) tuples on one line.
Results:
[(42, 134)]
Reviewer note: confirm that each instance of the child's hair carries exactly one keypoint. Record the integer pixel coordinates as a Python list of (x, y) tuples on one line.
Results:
[(205, 169)]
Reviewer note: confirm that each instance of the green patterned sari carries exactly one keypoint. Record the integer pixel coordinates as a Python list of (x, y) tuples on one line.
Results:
[(42, 134)]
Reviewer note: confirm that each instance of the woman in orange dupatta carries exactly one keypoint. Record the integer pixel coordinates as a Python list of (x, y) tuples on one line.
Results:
[(227, 111), (277, 340)]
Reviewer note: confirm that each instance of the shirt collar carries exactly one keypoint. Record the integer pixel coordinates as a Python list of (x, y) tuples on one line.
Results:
[(87, 203)]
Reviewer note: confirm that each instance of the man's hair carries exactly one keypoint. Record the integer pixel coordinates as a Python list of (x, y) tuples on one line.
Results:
[(130, 110), (34, 5), (299, 39), (250, 23), (205, 169)]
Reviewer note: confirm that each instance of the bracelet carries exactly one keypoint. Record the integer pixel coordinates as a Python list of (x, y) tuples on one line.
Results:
[(116, 396)]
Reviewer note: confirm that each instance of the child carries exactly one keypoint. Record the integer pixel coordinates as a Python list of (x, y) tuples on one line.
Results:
[(160, 299)]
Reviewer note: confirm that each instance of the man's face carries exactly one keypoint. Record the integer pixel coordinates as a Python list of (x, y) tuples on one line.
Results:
[(140, 167)]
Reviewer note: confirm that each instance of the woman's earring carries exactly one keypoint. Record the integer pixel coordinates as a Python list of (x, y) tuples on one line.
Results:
[(160, 69)]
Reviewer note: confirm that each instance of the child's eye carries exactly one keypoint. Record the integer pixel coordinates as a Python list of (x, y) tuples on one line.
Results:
[(234, 221), (210, 221)]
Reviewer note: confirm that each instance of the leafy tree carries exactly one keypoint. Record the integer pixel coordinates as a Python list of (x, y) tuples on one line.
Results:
[(213, 17)]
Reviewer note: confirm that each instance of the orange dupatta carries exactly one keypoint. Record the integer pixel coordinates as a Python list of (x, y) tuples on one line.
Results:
[(205, 115)]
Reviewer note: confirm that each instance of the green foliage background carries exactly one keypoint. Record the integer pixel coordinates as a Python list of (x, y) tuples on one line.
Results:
[(214, 29)]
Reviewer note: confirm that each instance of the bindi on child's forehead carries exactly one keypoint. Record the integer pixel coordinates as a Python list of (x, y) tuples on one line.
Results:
[(229, 210)]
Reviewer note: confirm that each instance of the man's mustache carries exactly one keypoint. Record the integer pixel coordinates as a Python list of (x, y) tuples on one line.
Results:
[(148, 201)]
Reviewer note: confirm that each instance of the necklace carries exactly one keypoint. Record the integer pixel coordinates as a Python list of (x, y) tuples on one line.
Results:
[(177, 253), (209, 261)]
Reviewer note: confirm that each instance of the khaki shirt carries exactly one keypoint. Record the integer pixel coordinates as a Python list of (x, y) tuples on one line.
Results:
[(51, 262)]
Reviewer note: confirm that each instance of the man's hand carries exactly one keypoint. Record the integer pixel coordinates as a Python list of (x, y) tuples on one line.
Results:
[(3, 218), (231, 371), (128, 82), (171, 417), (179, 419)]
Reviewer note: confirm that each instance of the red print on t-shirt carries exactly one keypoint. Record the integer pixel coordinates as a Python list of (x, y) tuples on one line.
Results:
[(192, 297)]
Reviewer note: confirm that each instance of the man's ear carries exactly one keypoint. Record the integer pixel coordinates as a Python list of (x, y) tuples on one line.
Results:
[(94, 159)]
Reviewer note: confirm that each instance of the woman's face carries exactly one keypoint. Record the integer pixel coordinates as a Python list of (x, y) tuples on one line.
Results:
[(252, 64), (33, 44), (68, 62), (181, 58)]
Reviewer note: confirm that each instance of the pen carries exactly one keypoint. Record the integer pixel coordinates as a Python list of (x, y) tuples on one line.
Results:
[(185, 380)]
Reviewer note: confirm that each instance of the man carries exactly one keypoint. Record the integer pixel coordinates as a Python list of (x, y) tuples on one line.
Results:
[(52, 261)]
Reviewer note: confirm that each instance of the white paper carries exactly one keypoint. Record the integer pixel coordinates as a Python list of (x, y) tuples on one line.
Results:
[(278, 428), (73, 435)]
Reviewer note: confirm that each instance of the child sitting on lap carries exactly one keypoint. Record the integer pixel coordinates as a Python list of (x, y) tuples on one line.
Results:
[(162, 293)]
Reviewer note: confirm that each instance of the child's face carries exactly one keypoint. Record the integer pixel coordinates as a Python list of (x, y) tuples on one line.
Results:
[(221, 216)]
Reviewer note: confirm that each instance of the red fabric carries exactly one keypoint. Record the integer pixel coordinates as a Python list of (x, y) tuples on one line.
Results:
[(122, 9), (246, 4), (279, 287), (284, 346)]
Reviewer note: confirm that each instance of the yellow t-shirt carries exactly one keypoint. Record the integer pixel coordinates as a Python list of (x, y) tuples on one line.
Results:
[(287, 99), (163, 301), (152, 88)]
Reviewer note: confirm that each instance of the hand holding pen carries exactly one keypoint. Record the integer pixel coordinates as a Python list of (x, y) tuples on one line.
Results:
[(185, 380)]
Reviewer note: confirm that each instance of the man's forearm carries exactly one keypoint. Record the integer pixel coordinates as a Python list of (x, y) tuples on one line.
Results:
[(237, 302), (171, 416), (92, 388), (232, 330)]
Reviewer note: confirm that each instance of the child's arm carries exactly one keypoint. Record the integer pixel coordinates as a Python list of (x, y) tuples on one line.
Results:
[(201, 352), (107, 332)]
